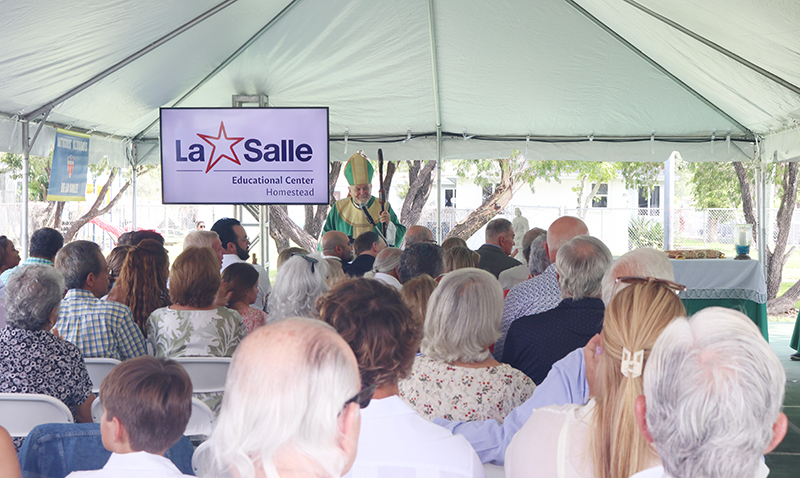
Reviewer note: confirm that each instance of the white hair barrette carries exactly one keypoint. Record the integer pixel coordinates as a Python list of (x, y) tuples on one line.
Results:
[(632, 365)]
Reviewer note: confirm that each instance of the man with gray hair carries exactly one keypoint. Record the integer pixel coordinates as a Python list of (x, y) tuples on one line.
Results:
[(713, 391), (291, 405), (496, 252), (203, 238), (566, 383), (541, 293), (535, 342), (420, 258), (100, 328)]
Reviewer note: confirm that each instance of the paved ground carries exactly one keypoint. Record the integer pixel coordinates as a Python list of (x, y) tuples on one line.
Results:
[(784, 462)]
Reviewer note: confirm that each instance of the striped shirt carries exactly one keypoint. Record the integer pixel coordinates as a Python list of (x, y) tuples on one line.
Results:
[(99, 328)]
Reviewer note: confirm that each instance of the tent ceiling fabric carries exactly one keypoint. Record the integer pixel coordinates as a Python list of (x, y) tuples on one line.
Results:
[(551, 69)]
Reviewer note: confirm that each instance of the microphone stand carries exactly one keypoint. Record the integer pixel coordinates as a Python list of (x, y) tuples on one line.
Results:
[(363, 207)]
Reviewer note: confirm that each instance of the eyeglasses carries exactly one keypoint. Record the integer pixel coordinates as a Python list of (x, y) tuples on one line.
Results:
[(646, 280), (306, 257), (363, 397)]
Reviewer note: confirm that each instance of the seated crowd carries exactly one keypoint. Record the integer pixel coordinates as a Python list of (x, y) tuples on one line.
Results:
[(371, 361)]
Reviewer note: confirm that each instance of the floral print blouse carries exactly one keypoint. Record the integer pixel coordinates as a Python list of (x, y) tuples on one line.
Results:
[(437, 389), (253, 318), (196, 333)]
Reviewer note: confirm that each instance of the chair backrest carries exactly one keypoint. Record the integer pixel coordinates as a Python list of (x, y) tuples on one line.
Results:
[(98, 368), (208, 374), (20, 412), (200, 422)]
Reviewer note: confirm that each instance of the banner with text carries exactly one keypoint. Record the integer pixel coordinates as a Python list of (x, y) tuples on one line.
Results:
[(244, 155), (70, 167)]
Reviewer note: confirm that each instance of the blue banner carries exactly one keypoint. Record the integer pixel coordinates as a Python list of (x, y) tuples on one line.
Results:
[(70, 167)]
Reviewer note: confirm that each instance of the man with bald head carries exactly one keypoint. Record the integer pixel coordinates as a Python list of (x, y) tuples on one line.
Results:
[(417, 234), (291, 405), (336, 245), (540, 293)]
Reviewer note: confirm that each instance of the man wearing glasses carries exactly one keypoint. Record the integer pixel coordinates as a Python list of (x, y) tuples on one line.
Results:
[(236, 244), (292, 405)]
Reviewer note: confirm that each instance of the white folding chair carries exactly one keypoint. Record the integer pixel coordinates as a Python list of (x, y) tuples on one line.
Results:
[(201, 420), (98, 368), (208, 374), (20, 412), (494, 471), (97, 410)]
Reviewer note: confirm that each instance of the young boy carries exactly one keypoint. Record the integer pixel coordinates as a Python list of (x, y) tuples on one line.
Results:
[(147, 403)]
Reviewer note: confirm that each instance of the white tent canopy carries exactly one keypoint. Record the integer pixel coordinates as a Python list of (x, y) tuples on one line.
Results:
[(558, 79)]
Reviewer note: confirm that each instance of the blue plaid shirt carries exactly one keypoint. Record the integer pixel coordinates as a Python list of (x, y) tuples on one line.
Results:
[(100, 328), (31, 260)]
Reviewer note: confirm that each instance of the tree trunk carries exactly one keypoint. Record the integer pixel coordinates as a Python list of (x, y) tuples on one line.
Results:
[(784, 223), (283, 229), (96, 210), (420, 182), (495, 203), (747, 197), (57, 215), (321, 214)]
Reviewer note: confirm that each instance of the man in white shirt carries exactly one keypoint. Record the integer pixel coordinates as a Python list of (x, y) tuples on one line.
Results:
[(713, 391), (147, 403), (291, 405), (235, 244)]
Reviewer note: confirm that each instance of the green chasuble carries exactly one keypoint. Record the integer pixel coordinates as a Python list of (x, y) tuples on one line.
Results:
[(346, 217)]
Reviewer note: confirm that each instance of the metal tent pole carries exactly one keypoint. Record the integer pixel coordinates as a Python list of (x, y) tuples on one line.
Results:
[(26, 149), (669, 192)]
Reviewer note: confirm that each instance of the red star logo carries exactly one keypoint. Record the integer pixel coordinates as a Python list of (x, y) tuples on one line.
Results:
[(224, 142)]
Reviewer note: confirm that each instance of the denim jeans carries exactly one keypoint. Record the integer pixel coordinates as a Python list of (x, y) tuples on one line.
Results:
[(55, 450)]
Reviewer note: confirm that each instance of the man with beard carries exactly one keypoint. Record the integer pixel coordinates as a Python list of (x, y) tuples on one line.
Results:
[(350, 215), (235, 243)]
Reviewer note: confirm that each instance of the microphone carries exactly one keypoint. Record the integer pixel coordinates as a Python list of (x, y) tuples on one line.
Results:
[(363, 207)]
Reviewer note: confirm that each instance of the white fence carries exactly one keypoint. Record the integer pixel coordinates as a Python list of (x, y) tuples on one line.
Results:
[(621, 229)]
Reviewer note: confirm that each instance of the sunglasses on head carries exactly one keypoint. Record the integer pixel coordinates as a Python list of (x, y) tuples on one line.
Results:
[(646, 280), (306, 257)]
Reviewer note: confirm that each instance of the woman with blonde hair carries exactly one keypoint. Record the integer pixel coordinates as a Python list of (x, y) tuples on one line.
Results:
[(601, 439), (460, 257), (416, 292)]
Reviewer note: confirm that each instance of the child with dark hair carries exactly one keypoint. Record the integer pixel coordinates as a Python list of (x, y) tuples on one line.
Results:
[(147, 403), (239, 290)]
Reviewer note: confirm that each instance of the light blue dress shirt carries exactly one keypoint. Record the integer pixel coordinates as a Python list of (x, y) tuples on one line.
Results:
[(566, 383)]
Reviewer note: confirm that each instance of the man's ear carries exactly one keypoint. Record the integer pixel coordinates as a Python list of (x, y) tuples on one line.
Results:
[(778, 432), (90, 280), (349, 428), (230, 248), (641, 410)]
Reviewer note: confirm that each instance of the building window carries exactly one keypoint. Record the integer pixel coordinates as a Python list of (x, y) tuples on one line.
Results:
[(449, 198), (649, 201), (600, 198)]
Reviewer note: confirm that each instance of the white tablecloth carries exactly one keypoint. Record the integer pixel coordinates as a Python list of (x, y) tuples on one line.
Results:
[(721, 279)]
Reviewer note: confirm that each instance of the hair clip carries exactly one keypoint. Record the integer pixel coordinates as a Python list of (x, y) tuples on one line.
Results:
[(632, 368)]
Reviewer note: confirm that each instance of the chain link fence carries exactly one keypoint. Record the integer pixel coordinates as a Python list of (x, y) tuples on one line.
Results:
[(620, 229)]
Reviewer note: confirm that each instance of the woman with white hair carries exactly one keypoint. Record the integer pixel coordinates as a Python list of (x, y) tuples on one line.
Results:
[(456, 378), (299, 282), (34, 360), (385, 267)]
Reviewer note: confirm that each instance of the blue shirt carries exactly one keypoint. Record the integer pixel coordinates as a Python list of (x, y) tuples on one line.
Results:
[(535, 342), (566, 383), (534, 296)]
